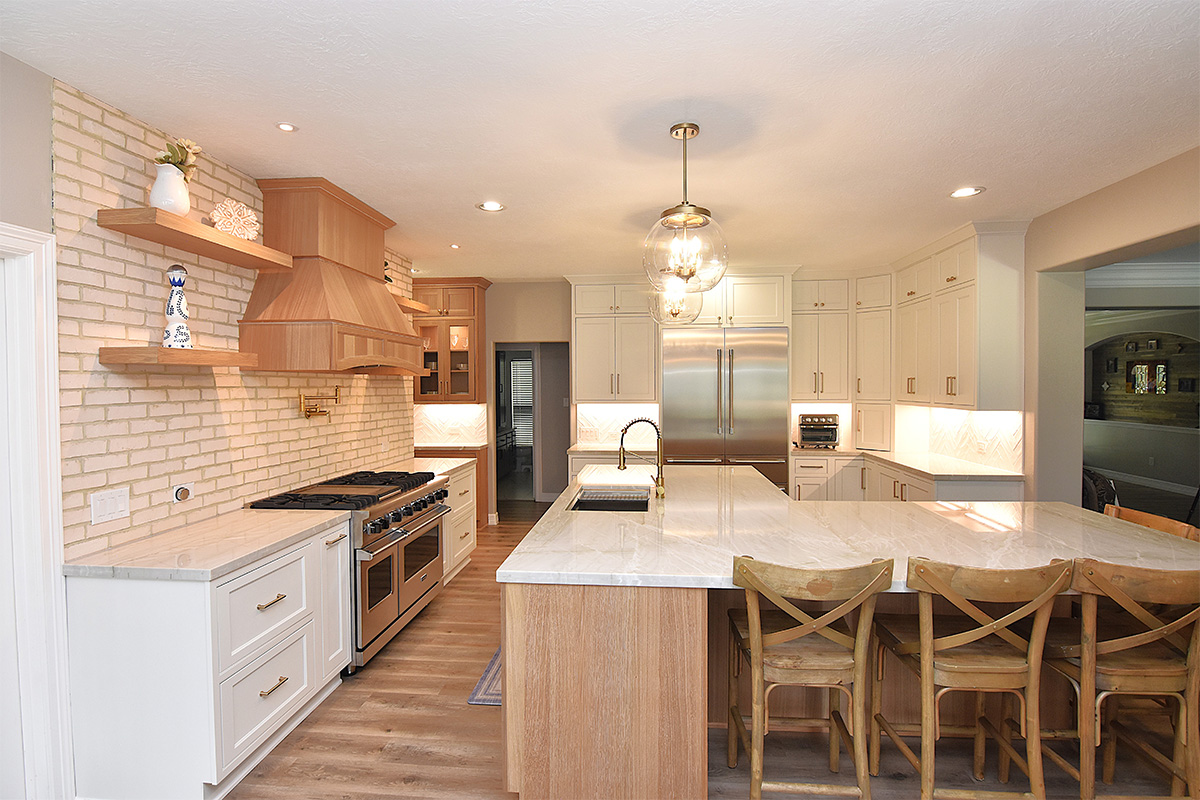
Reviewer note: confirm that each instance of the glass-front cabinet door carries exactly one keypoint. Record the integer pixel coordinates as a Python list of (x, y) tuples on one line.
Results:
[(431, 332), (450, 359)]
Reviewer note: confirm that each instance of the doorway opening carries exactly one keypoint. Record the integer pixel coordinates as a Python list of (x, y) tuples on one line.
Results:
[(533, 425)]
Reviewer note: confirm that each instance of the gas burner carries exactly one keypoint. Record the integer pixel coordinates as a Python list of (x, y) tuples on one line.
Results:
[(403, 480), (331, 502)]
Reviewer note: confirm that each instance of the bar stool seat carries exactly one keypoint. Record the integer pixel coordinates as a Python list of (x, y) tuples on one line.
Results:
[(781, 660), (986, 657)]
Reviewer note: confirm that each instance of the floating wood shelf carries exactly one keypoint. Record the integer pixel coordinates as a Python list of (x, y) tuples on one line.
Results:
[(154, 354), (163, 227), (407, 304)]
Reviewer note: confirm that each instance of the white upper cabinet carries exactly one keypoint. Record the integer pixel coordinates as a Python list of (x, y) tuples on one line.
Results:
[(914, 352), (827, 295), (615, 358), (874, 291), (820, 368), (606, 298), (915, 282), (975, 320), (746, 301), (873, 351)]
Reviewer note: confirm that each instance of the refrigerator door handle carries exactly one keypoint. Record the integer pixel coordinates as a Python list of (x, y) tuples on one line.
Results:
[(720, 389), (731, 390), (757, 460), (670, 460)]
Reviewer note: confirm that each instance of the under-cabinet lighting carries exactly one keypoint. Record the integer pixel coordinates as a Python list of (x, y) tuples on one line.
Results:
[(968, 191), (287, 127), (490, 205)]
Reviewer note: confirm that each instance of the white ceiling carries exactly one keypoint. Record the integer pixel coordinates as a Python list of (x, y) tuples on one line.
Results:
[(831, 132)]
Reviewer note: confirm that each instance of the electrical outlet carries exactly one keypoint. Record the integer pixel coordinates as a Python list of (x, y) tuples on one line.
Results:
[(183, 491), (981, 446), (1152, 461), (109, 505)]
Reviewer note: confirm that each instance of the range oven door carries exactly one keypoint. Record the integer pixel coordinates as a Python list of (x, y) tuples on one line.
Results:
[(379, 587), (422, 562)]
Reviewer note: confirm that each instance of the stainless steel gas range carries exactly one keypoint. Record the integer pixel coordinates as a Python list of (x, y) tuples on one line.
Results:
[(396, 525)]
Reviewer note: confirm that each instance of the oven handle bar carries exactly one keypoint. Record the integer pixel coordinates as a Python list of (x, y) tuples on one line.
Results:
[(400, 534)]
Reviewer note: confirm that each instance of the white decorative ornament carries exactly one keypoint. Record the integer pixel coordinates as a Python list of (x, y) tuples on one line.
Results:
[(177, 334), (230, 216)]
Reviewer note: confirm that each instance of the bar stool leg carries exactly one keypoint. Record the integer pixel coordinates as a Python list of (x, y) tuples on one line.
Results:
[(875, 673), (735, 661), (1179, 756), (757, 731), (1033, 737), (835, 747), (1192, 758), (1108, 741), (1005, 760), (980, 736), (858, 712)]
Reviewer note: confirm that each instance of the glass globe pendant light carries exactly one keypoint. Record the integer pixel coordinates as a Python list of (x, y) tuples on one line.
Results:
[(675, 305), (685, 243)]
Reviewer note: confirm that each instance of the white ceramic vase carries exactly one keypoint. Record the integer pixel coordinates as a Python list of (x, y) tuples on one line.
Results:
[(177, 334), (170, 192)]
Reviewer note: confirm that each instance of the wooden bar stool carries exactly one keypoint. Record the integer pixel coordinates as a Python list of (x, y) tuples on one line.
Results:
[(789, 647), (1123, 647), (972, 651), (1148, 520)]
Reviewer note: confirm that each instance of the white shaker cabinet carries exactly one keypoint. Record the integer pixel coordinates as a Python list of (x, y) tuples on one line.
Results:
[(914, 352), (914, 282), (873, 426), (609, 298), (873, 355), (820, 357), (826, 295), (746, 301), (873, 291), (460, 531), (955, 323), (615, 358)]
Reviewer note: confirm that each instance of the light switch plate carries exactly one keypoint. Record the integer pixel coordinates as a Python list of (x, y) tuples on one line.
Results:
[(110, 505)]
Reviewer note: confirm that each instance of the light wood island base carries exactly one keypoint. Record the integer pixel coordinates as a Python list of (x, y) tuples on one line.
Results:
[(604, 691)]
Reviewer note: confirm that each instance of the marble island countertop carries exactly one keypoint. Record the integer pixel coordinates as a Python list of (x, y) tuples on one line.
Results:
[(205, 551), (711, 514), (944, 468)]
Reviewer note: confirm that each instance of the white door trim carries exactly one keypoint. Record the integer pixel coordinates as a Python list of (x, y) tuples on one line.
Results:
[(29, 261)]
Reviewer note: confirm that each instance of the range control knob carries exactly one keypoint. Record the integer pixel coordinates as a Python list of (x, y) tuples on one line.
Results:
[(442, 494), (407, 510), (395, 516), (377, 525)]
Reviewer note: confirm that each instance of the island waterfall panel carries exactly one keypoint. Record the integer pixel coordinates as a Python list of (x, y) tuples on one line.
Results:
[(605, 691)]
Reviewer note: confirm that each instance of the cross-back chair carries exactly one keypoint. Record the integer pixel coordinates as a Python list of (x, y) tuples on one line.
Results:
[(788, 646), (1137, 636), (1148, 520), (976, 649)]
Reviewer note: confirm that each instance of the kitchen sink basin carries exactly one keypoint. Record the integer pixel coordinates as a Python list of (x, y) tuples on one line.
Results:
[(610, 499)]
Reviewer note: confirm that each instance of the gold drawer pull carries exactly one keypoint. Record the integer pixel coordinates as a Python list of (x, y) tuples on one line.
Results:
[(465, 535), (282, 680), (332, 542), (810, 466), (464, 491), (951, 278), (269, 603)]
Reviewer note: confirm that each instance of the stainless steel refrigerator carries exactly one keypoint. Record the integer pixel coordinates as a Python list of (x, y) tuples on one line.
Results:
[(725, 398)]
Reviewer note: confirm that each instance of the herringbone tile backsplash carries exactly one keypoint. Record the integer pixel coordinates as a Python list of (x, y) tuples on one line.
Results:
[(452, 424), (993, 438), (601, 423)]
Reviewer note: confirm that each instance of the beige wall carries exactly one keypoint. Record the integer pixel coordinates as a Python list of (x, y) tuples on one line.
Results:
[(529, 312), (235, 435), (1154, 210), (24, 145)]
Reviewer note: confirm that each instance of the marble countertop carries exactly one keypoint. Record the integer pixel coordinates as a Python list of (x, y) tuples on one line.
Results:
[(943, 468), (205, 551), (824, 451), (711, 514), (451, 446)]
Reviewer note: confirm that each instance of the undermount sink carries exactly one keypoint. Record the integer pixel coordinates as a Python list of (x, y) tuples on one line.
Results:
[(611, 499)]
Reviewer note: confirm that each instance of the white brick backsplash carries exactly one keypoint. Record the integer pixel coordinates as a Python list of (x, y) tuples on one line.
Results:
[(236, 435)]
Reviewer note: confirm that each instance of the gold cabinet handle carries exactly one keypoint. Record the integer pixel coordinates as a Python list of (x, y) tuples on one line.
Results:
[(815, 305), (864, 478), (269, 603), (618, 383), (464, 491), (859, 303), (814, 383), (951, 279), (611, 385), (822, 305), (464, 535), (895, 489), (822, 381), (909, 293), (332, 542), (267, 692), (860, 385), (860, 421)]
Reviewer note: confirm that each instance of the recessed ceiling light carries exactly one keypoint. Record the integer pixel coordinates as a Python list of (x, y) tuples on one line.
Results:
[(286, 127), (453, 247), (490, 205), (968, 191)]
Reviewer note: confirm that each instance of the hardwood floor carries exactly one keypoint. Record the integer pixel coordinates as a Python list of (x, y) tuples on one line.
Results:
[(401, 728)]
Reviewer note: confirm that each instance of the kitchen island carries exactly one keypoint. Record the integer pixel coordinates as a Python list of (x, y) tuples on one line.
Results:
[(606, 615)]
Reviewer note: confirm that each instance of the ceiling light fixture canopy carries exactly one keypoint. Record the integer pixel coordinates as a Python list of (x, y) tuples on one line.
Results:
[(686, 243), (968, 191), (675, 305), (490, 205)]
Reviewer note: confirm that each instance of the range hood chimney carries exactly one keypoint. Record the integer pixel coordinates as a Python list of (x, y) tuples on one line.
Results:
[(333, 311)]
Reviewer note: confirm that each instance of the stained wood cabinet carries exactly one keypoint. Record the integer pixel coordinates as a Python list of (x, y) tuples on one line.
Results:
[(820, 368), (452, 335)]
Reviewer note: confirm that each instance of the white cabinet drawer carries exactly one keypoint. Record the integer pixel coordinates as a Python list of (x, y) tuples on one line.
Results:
[(266, 691), (462, 534), (256, 607), (462, 490), (811, 467)]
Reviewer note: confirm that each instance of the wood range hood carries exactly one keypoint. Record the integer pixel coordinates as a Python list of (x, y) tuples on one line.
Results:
[(333, 311)]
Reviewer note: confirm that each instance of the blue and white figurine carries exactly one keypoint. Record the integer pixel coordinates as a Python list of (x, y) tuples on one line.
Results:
[(177, 334)]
